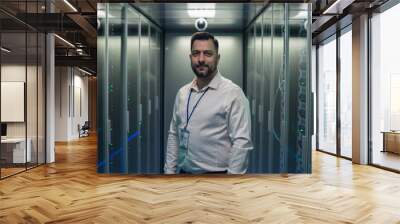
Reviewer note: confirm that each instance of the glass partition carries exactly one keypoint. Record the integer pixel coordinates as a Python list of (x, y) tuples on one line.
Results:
[(15, 151), (22, 92)]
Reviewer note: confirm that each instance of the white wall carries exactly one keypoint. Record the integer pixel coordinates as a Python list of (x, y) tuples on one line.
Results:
[(79, 117), (17, 73), (14, 72), (33, 126), (61, 103), (71, 87)]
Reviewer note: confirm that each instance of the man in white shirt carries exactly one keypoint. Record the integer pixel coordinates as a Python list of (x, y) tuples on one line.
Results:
[(210, 131)]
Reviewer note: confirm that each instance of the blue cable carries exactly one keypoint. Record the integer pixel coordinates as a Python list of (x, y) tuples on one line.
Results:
[(115, 153)]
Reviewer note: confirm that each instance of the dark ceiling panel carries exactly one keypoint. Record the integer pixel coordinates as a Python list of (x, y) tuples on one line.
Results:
[(81, 61), (231, 16), (49, 22)]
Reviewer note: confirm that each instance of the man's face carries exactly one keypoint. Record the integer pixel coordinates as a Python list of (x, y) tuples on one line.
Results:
[(204, 58)]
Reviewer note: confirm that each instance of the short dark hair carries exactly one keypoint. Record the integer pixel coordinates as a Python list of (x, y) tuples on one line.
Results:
[(204, 36)]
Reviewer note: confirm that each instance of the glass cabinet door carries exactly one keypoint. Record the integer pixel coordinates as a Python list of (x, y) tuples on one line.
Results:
[(279, 89), (129, 89)]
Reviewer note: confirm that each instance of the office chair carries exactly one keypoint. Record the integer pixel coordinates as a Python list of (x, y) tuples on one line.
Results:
[(84, 130)]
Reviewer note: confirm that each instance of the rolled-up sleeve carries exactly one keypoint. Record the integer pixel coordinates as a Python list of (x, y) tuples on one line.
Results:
[(172, 142), (239, 128)]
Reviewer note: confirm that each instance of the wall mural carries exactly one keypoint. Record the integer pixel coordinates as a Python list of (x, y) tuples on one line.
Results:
[(276, 94)]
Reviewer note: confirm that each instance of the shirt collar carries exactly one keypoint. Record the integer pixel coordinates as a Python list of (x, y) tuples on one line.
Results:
[(214, 84)]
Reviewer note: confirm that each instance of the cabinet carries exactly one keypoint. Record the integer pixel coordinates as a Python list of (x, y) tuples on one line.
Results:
[(13, 150), (391, 141)]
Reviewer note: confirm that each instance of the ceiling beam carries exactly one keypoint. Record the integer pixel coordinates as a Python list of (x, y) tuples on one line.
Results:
[(84, 61), (84, 24), (337, 7)]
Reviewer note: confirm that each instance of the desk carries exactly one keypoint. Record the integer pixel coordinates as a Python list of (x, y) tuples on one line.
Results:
[(391, 141), (15, 148)]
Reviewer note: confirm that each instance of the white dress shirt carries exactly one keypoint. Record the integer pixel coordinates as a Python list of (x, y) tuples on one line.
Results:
[(220, 129)]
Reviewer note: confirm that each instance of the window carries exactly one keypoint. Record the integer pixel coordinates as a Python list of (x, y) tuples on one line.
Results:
[(346, 92), (327, 96), (385, 89)]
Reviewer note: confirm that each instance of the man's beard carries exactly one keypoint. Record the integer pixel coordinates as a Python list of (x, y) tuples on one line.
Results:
[(210, 70)]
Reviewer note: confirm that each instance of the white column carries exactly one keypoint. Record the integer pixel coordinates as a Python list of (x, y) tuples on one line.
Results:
[(360, 90), (50, 100), (50, 92)]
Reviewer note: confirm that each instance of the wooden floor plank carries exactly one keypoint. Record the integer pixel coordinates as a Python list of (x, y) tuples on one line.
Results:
[(70, 191)]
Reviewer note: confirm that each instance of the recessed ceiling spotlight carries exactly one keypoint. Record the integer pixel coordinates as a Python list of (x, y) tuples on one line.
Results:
[(201, 24)]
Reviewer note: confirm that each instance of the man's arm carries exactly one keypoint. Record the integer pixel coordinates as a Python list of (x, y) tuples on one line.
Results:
[(172, 143), (239, 128)]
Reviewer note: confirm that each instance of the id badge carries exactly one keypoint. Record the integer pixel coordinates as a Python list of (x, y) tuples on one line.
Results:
[(184, 138), (183, 146)]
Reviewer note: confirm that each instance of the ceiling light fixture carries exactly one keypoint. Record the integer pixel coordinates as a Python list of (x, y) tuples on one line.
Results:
[(201, 10), (337, 7), (64, 40), (84, 71), (5, 50), (79, 51), (70, 5)]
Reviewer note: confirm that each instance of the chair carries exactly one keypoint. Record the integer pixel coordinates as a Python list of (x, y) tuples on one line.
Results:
[(84, 130)]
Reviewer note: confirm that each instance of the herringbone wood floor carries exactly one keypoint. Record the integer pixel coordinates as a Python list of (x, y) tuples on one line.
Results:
[(70, 191)]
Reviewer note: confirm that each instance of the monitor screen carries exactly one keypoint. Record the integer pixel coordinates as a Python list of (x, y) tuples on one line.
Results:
[(3, 129)]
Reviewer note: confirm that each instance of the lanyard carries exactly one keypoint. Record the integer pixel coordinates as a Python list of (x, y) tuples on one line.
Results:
[(188, 116)]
